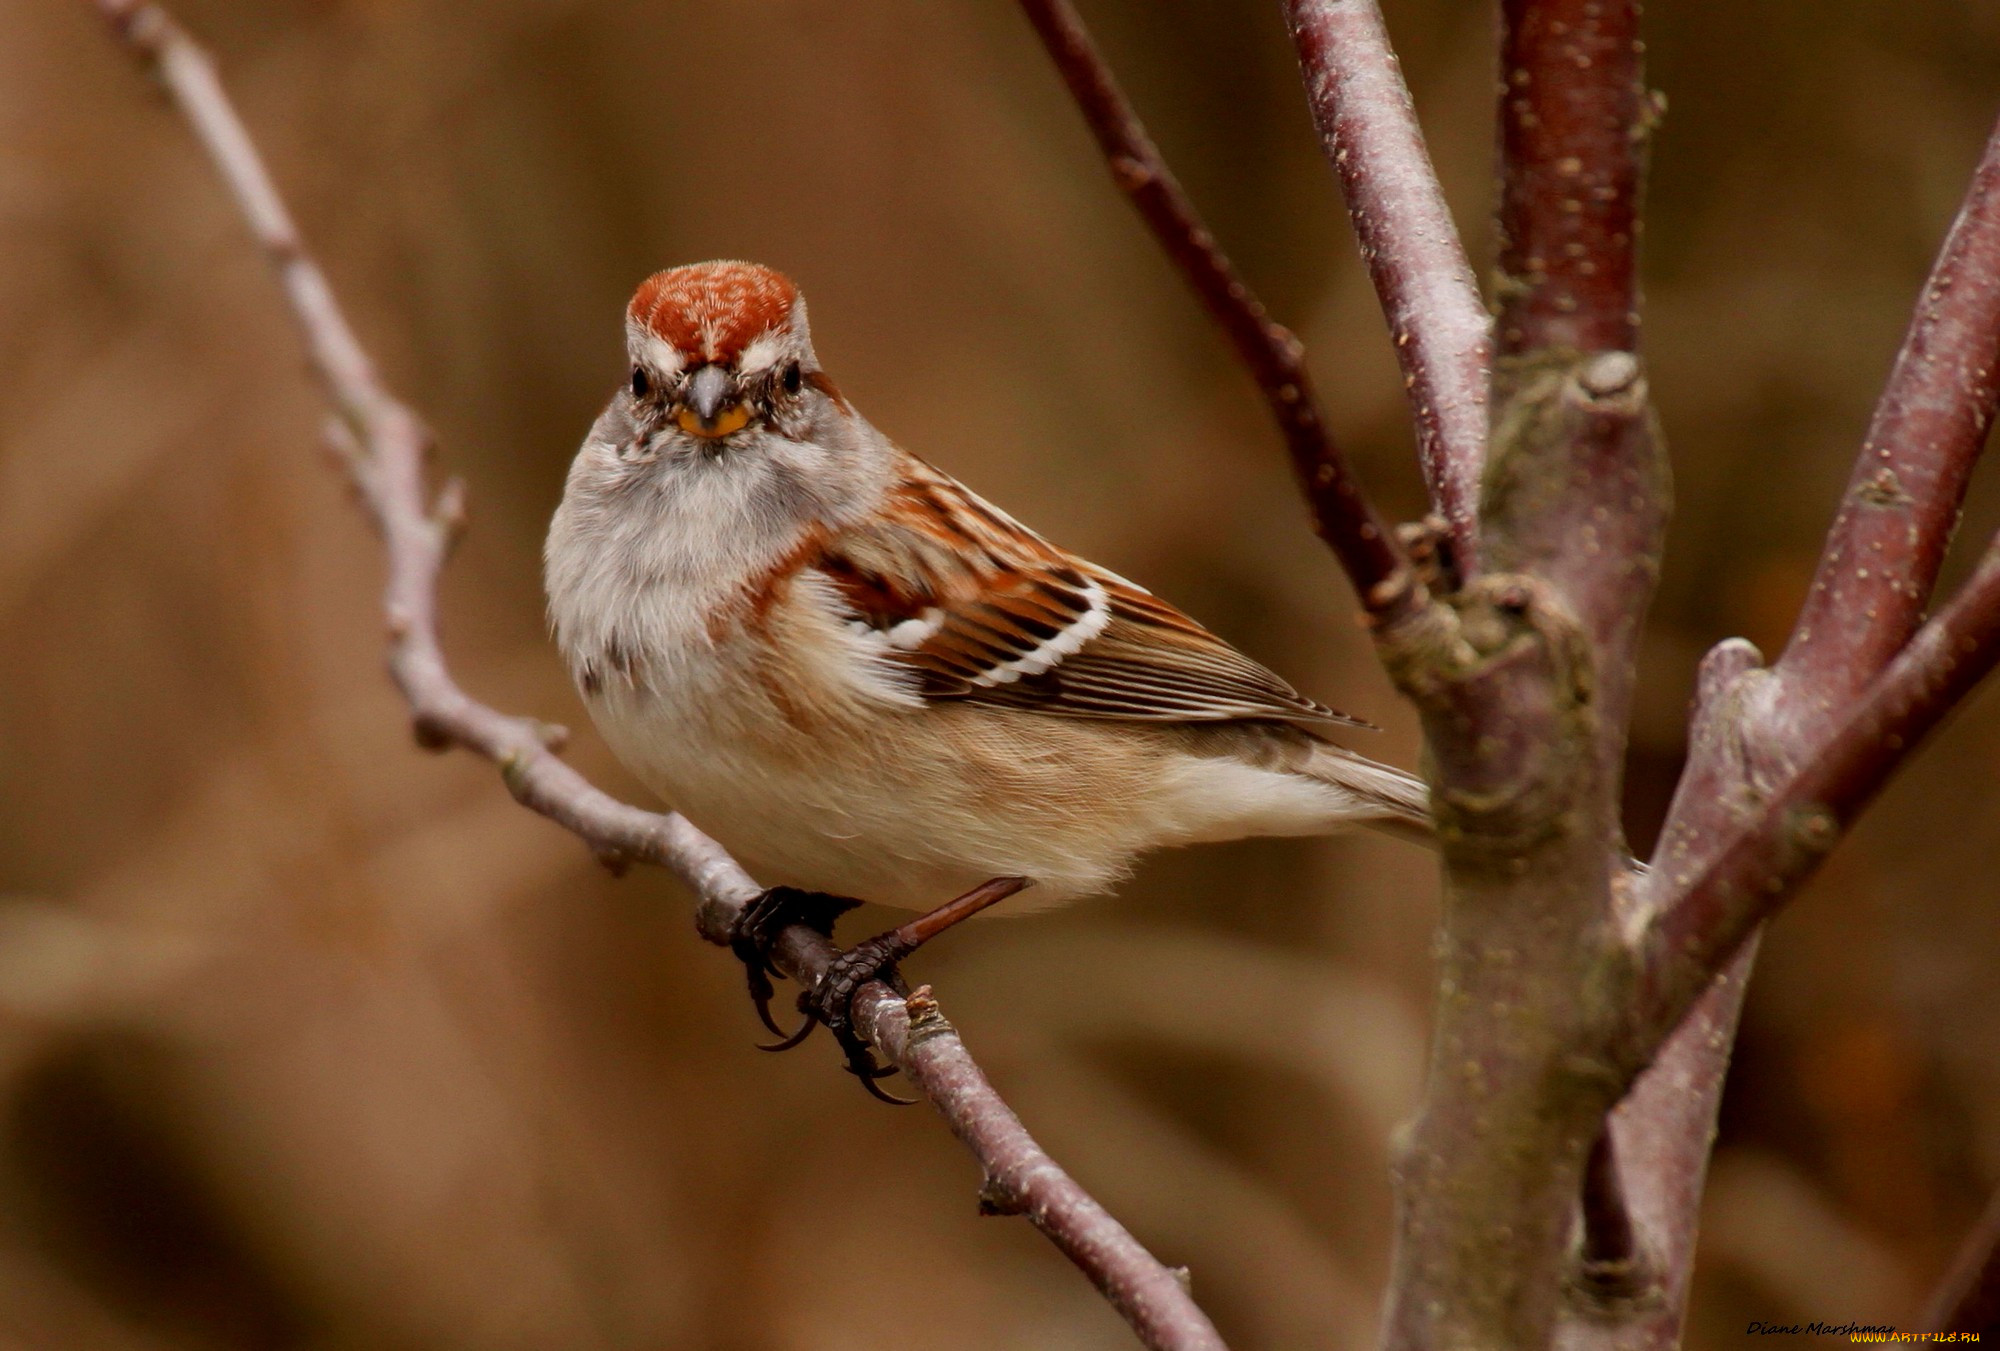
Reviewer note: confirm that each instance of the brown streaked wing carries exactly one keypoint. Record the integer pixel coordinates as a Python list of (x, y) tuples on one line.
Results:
[(964, 628), (1153, 663), (988, 612)]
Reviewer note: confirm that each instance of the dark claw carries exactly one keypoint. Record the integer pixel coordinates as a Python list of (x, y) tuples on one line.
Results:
[(788, 1042), (761, 991), (831, 1000), (757, 929), (879, 1095)]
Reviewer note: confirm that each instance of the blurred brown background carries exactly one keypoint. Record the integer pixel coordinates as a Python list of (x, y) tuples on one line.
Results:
[(309, 1039)]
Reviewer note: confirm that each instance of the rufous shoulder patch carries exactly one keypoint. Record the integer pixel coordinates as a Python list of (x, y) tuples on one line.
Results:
[(712, 311)]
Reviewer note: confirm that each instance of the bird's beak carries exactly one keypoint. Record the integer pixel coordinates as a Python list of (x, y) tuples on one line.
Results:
[(711, 408)]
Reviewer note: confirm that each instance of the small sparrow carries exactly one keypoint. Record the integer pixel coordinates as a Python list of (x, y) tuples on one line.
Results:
[(865, 680)]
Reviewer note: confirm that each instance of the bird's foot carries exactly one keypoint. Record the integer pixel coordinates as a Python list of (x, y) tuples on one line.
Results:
[(755, 933), (831, 999)]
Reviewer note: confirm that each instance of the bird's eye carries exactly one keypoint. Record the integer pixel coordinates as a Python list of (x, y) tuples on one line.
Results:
[(641, 386), (792, 378)]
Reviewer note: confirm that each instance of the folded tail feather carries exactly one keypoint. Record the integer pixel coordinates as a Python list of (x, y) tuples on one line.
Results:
[(1402, 801)]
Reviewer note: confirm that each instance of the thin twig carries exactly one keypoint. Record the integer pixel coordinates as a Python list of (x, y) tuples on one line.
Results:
[(1719, 906), (384, 446), (1968, 1298), (1342, 513), (1882, 555), (1368, 128)]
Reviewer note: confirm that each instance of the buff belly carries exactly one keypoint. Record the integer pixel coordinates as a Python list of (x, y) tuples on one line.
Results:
[(912, 808)]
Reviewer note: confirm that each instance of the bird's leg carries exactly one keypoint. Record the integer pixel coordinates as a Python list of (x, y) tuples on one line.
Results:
[(831, 999), (756, 931)]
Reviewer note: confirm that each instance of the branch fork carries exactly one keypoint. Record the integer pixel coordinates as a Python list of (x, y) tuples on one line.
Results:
[(1550, 491)]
